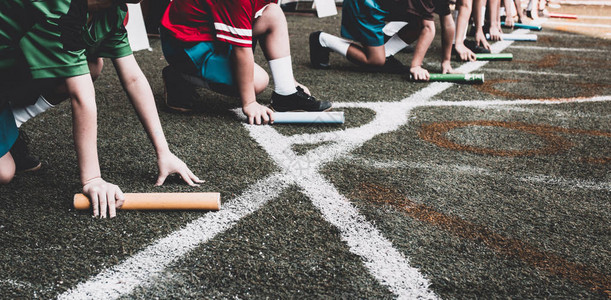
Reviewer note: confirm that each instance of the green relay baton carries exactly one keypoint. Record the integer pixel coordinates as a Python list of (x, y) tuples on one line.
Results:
[(464, 78), (525, 26), (494, 56)]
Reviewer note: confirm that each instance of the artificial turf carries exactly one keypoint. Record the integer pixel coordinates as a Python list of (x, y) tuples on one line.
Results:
[(477, 225)]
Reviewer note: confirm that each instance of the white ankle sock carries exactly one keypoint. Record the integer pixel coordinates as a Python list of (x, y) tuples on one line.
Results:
[(23, 114), (394, 45), (282, 73), (334, 43)]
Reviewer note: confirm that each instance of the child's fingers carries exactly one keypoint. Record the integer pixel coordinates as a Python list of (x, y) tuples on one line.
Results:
[(187, 178), (95, 203), (271, 116), (112, 209), (103, 205), (161, 179), (193, 177), (120, 198)]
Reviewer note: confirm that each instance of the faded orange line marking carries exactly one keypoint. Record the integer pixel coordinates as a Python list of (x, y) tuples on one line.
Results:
[(546, 261), (596, 160), (435, 133)]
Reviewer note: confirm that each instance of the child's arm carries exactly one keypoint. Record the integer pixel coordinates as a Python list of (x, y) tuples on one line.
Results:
[(508, 12), (427, 34), (495, 30), (243, 68), (462, 22), (104, 196), (141, 96), (478, 18), (447, 34)]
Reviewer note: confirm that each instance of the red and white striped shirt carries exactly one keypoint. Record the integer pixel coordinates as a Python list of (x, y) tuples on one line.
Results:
[(209, 20)]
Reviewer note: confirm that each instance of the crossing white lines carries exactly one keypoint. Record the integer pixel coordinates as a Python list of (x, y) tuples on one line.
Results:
[(388, 265)]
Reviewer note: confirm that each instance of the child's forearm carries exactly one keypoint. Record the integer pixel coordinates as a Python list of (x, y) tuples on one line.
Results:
[(84, 119), (448, 30), (244, 70), (478, 13), (495, 6), (508, 8), (462, 21), (141, 96), (427, 34)]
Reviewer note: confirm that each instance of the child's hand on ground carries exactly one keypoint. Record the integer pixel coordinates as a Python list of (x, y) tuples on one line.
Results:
[(446, 68), (170, 164), (495, 33), (105, 197), (258, 114), (464, 53), (508, 22), (419, 73), (480, 39)]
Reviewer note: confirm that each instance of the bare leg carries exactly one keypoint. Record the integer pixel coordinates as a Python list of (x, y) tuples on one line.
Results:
[(7, 168)]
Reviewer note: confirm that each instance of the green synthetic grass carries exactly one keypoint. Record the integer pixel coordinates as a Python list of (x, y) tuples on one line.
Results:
[(287, 249)]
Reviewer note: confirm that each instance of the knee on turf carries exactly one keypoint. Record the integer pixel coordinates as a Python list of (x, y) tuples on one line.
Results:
[(274, 12), (7, 169)]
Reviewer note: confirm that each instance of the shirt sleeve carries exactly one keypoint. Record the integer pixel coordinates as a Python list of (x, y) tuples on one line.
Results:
[(233, 21)]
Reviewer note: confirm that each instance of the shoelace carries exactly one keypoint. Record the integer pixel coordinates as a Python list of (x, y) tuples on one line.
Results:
[(303, 94)]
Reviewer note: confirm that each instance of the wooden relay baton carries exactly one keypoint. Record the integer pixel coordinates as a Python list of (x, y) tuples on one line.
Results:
[(160, 201)]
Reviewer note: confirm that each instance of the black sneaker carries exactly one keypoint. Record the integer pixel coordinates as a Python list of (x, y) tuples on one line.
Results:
[(24, 162), (319, 55), (178, 93), (299, 101), (473, 46), (394, 66)]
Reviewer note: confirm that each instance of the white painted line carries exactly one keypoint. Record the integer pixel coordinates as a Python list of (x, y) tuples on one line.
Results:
[(150, 262), (527, 72), (571, 184), (388, 265), (384, 262), (594, 17), (558, 49), (558, 114), (496, 102), (572, 2), (577, 24)]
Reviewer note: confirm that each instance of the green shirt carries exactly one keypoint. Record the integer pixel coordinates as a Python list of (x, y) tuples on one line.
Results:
[(53, 39), (41, 37)]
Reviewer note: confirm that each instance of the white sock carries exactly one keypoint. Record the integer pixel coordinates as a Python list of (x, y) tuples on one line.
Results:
[(394, 45), (23, 114), (334, 43), (282, 73)]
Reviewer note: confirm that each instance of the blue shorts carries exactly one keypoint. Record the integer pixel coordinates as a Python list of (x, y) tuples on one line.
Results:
[(363, 21), (8, 130), (209, 60)]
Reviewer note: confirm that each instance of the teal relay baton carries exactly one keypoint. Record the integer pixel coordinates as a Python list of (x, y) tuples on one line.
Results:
[(525, 26)]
